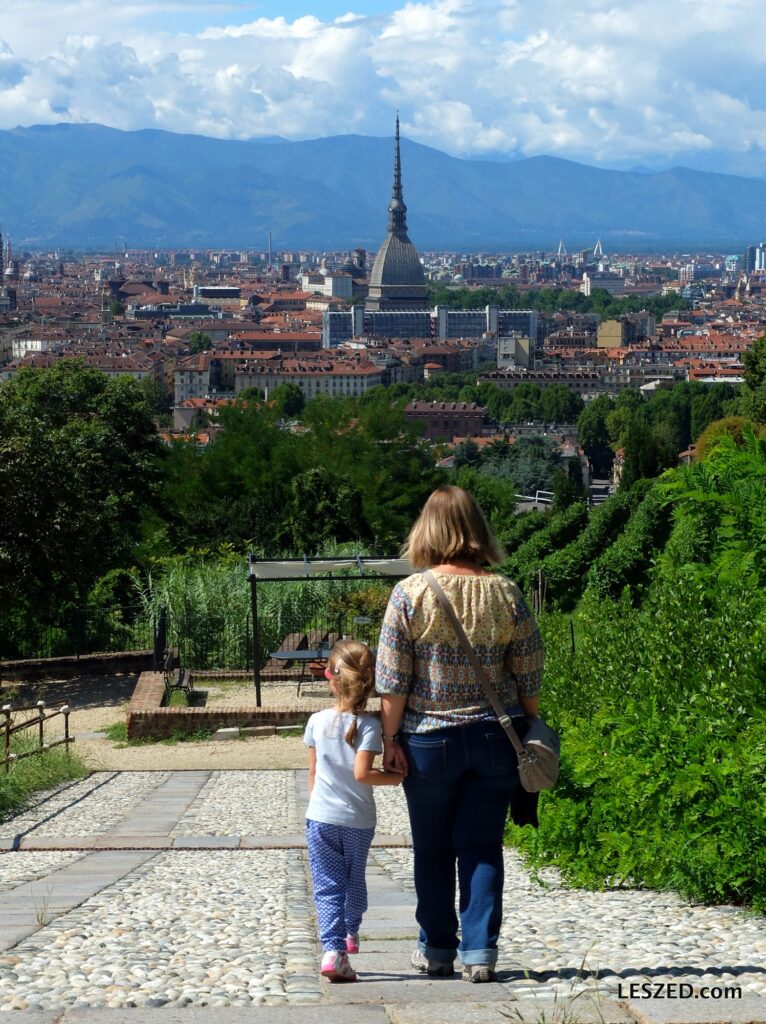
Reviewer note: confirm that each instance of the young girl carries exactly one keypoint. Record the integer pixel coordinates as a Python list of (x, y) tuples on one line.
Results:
[(340, 820)]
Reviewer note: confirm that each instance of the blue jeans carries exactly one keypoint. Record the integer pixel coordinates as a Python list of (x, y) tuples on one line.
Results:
[(458, 794)]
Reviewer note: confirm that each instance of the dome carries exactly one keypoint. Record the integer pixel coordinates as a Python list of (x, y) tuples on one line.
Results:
[(397, 265)]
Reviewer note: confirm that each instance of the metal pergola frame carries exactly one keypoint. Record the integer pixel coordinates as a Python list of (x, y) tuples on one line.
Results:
[(343, 564)]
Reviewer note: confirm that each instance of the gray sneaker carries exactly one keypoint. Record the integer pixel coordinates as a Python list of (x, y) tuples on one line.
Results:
[(478, 973), (433, 968)]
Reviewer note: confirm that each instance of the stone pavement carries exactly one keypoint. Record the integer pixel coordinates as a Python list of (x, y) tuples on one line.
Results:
[(184, 897)]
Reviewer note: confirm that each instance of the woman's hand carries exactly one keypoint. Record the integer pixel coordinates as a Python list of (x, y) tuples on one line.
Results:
[(394, 758)]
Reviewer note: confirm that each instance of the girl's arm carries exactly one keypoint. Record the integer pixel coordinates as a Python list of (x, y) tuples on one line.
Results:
[(312, 766), (364, 772)]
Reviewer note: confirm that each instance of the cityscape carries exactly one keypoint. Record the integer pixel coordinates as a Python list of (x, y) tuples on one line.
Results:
[(205, 326)]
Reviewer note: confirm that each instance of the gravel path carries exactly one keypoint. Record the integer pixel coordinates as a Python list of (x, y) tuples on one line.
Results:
[(199, 945), (224, 927), (243, 803), (87, 807), (258, 752), (642, 935), (15, 870), (241, 693)]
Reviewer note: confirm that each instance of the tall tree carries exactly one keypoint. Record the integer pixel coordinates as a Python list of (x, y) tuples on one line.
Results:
[(753, 399), (79, 467), (594, 435)]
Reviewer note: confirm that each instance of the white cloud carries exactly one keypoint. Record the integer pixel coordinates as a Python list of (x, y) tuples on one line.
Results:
[(601, 82)]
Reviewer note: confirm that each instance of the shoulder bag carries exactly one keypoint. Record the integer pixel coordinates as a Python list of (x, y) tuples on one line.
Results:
[(538, 753)]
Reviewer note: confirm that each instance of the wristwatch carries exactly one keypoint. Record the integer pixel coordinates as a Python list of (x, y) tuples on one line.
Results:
[(392, 738)]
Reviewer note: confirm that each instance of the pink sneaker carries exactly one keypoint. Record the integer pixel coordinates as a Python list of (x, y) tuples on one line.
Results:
[(335, 967), (352, 942)]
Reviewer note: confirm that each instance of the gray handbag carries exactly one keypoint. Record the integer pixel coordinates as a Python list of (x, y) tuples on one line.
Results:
[(539, 751)]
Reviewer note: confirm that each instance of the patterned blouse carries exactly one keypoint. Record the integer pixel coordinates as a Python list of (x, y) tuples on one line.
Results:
[(419, 656)]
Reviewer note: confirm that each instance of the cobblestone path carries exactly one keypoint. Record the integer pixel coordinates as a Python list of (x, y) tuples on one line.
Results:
[(184, 895)]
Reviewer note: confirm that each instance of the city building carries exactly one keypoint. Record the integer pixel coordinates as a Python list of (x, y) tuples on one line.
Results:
[(397, 280), (446, 420)]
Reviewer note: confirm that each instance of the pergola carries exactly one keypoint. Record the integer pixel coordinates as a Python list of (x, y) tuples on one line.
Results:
[(355, 567)]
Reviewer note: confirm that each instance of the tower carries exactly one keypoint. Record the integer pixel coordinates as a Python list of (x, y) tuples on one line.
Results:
[(397, 280)]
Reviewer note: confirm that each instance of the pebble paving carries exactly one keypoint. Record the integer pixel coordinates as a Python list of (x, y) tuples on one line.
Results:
[(570, 940), (235, 803), (88, 807), (15, 870), (226, 927)]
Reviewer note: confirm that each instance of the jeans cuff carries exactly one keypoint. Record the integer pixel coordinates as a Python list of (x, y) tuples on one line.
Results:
[(478, 956), (439, 956)]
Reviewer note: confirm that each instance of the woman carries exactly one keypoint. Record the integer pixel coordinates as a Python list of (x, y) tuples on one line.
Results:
[(441, 733)]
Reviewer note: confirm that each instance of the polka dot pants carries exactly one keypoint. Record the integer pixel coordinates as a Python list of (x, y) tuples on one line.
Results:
[(338, 858)]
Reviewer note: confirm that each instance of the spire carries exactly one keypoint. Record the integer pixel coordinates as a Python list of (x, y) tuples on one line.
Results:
[(397, 211)]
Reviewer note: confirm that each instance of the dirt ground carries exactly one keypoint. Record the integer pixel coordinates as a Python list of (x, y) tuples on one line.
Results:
[(98, 702)]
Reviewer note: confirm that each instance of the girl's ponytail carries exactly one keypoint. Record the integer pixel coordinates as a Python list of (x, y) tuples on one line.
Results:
[(353, 667)]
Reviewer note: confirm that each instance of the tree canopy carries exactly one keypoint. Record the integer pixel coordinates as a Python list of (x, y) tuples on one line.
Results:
[(79, 470)]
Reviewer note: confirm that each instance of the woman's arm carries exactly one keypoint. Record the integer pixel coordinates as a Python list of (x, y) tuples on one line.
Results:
[(364, 771), (391, 712), (312, 767), (524, 657), (530, 705)]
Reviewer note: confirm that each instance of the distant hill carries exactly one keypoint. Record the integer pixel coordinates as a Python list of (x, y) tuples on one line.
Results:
[(91, 186)]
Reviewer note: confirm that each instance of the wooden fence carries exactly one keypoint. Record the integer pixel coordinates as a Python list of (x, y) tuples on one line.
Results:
[(38, 721)]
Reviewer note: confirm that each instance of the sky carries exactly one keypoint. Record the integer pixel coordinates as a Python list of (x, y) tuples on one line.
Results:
[(631, 84)]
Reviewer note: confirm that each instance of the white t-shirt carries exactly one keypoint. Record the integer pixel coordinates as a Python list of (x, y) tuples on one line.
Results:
[(337, 798)]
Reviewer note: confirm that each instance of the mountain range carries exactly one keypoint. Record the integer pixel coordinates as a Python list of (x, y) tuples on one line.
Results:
[(89, 186)]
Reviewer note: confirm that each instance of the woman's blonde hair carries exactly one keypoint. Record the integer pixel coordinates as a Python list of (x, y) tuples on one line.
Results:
[(353, 670), (451, 527)]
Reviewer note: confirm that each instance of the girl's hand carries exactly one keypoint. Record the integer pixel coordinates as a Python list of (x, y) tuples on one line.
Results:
[(394, 758)]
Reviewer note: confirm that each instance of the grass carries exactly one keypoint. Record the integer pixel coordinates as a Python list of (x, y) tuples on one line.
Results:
[(43, 771), (118, 734)]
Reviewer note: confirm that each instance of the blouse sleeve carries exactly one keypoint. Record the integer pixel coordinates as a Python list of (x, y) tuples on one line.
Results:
[(394, 661), (524, 655)]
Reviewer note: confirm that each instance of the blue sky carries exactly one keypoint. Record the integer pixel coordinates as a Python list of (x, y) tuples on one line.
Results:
[(616, 83)]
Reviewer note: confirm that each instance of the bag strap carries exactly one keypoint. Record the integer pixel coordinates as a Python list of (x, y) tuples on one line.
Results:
[(477, 666)]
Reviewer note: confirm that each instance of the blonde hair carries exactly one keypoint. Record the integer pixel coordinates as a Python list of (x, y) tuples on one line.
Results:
[(353, 671), (451, 527)]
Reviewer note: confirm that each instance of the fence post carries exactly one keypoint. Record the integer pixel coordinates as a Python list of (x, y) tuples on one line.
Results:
[(65, 713), (7, 737), (160, 639), (41, 722), (256, 642), (247, 642)]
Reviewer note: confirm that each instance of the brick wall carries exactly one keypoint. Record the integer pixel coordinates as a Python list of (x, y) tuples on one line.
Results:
[(86, 664), (159, 723), (149, 692)]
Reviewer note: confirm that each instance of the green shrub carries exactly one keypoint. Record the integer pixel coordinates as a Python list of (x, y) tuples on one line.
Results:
[(524, 525), (626, 562), (565, 570), (561, 528), (663, 720)]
